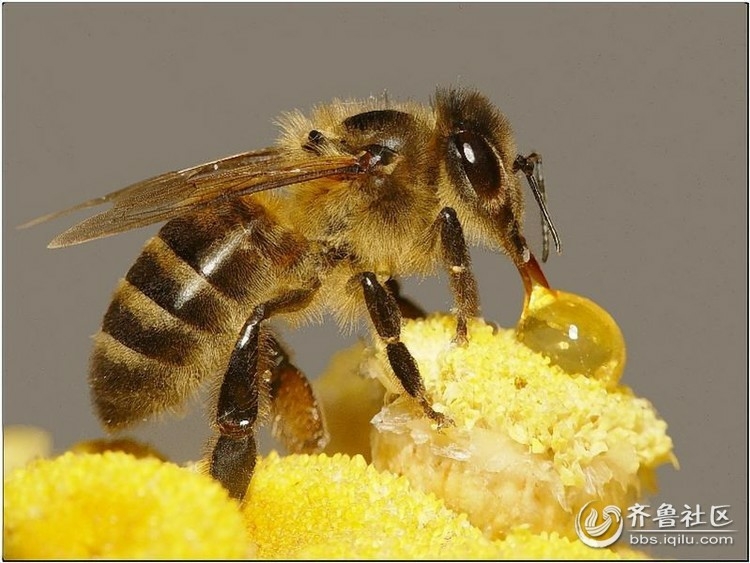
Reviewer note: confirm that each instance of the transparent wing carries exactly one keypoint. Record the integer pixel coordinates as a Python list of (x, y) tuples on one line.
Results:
[(169, 195)]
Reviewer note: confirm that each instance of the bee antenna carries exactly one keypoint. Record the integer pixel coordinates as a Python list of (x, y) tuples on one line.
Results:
[(531, 166)]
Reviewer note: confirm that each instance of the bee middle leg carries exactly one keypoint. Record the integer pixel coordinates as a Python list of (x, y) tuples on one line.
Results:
[(457, 262), (234, 454), (385, 315)]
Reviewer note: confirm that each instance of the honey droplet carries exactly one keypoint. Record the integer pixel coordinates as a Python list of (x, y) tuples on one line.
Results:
[(575, 333)]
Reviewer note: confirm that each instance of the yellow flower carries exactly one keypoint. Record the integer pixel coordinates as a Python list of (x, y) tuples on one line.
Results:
[(349, 401), (531, 443), (115, 506), (112, 505), (523, 544), (339, 507), (321, 507), (125, 445)]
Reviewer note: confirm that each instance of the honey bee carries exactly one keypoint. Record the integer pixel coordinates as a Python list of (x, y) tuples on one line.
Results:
[(347, 201)]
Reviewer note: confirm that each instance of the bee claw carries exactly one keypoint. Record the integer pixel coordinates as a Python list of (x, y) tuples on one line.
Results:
[(442, 420), (460, 339)]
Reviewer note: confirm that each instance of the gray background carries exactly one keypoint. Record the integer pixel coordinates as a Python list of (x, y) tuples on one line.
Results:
[(640, 113)]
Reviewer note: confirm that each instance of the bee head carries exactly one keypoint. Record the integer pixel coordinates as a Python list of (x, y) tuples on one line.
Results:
[(478, 154)]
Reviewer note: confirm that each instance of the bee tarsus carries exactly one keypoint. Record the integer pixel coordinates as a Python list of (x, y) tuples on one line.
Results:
[(233, 462), (386, 317)]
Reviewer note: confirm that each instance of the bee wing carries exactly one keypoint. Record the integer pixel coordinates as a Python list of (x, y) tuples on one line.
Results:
[(169, 195)]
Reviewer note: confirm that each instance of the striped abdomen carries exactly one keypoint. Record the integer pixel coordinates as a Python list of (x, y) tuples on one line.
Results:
[(174, 318)]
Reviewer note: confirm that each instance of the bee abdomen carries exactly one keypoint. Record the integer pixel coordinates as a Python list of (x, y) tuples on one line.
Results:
[(232, 248), (147, 330), (145, 360), (129, 387), (184, 295), (174, 318)]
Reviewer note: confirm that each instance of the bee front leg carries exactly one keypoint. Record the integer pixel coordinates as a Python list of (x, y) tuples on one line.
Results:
[(233, 457), (457, 262), (385, 315)]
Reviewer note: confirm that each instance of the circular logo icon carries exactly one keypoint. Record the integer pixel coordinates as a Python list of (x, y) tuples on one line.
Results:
[(595, 531)]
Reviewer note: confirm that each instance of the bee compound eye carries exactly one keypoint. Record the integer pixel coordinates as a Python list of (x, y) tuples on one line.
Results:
[(479, 163)]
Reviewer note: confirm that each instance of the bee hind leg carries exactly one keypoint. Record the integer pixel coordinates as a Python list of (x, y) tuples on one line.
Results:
[(385, 315), (234, 454), (297, 416), (408, 308)]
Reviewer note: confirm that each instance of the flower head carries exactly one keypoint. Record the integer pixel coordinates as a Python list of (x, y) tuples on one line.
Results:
[(115, 506), (531, 443)]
